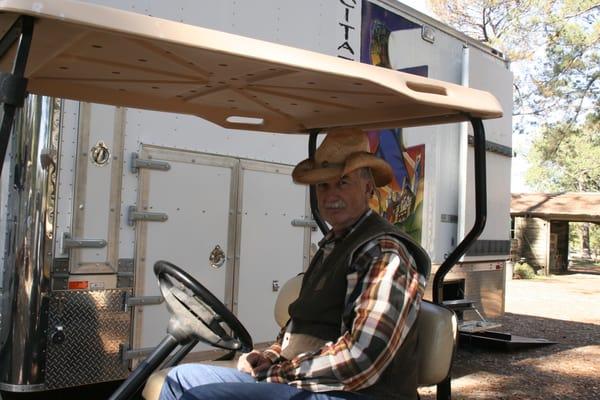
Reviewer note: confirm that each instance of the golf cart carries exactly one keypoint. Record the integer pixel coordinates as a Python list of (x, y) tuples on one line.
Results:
[(96, 54)]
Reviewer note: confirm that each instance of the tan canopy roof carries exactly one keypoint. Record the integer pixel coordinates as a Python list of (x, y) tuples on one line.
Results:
[(98, 54), (571, 206)]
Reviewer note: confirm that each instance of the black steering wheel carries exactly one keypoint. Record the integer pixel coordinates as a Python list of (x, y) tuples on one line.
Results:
[(198, 312)]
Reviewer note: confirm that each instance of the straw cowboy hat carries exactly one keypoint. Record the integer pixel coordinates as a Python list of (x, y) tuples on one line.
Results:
[(344, 150)]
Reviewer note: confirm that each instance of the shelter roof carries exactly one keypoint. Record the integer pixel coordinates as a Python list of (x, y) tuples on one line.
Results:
[(98, 54), (569, 206)]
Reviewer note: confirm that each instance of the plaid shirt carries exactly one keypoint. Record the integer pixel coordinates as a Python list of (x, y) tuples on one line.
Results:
[(374, 323)]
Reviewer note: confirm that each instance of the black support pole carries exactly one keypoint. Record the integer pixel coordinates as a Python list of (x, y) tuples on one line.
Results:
[(139, 376), (312, 147), (13, 86), (480, 212), (11, 36), (444, 388), (180, 354)]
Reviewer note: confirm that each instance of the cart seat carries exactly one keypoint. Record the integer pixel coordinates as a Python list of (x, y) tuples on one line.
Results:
[(437, 334), (437, 338)]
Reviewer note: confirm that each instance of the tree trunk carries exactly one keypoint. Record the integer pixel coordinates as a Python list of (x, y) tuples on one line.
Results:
[(585, 240)]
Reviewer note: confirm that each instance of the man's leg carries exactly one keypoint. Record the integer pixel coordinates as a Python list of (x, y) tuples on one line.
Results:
[(187, 376), (262, 391)]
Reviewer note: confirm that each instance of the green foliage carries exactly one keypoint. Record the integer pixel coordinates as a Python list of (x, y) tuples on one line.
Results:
[(595, 239), (554, 46), (523, 271), (570, 75), (575, 237), (566, 158)]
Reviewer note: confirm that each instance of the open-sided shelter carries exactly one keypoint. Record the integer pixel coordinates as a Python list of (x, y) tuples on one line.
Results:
[(540, 225)]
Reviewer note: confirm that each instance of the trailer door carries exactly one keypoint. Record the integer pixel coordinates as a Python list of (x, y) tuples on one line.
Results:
[(272, 249), (196, 195)]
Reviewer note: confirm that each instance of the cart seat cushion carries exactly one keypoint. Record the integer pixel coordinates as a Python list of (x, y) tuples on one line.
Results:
[(437, 334), (154, 384), (288, 293)]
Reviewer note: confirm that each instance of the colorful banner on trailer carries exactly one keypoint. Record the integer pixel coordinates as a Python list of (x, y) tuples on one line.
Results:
[(401, 202)]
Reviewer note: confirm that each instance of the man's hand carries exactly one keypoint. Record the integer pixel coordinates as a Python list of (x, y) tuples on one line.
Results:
[(253, 363)]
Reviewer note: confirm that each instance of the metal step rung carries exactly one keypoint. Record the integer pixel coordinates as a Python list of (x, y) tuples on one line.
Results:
[(477, 326), (459, 304), (500, 341)]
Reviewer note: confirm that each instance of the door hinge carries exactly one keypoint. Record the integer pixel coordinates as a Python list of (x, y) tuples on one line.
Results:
[(134, 215), (130, 354), (137, 163), (125, 273), (135, 301)]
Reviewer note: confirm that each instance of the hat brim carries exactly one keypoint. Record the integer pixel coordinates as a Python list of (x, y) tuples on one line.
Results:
[(306, 173)]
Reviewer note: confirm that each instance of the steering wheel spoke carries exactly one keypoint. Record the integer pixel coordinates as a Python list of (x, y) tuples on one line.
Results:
[(197, 313)]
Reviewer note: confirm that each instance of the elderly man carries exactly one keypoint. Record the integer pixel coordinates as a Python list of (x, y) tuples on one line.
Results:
[(352, 331)]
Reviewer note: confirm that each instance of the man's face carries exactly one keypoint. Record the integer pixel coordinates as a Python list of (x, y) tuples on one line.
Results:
[(343, 201)]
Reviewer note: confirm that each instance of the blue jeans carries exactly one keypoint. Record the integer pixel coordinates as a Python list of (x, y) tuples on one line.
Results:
[(198, 381)]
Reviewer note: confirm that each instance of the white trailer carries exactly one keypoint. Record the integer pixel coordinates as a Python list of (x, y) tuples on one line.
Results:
[(129, 187)]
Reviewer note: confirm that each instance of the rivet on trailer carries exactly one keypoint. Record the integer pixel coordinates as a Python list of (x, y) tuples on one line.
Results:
[(46, 52)]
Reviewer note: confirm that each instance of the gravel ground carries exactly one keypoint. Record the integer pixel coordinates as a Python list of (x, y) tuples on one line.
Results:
[(562, 308)]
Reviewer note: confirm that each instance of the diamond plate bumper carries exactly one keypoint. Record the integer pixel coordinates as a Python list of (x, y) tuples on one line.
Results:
[(85, 331)]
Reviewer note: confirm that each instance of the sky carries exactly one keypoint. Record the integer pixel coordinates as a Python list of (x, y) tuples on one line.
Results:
[(520, 145)]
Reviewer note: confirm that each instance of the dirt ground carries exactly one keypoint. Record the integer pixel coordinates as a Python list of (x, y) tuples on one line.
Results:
[(562, 308)]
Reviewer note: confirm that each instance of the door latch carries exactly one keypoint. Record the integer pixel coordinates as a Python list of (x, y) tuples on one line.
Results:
[(216, 257)]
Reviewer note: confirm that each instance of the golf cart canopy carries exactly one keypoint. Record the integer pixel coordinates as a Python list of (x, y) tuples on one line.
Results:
[(97, 54)]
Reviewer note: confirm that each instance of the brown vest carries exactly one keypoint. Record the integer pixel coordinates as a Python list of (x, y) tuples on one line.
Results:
[(319, 308)]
